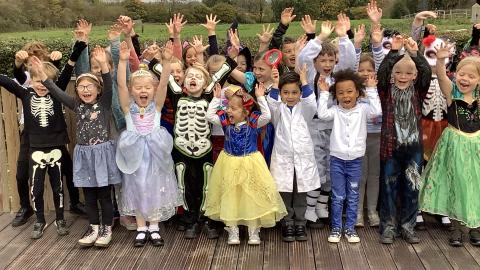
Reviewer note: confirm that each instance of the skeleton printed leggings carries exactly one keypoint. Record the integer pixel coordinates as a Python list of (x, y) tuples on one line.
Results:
[(41, 161), (192, 176)]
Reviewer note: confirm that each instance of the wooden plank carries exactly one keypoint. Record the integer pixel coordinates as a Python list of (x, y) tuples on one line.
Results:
[(474, 251), (4, 190), (184, 249), (9, 233), (54, 256), (327, 255), (429, 253), (20, 243), (6, 220), (249, 256), (378, 256), (9, 109), (106, 262), (226, 256), (275, 251), (300, 254), (36, 250), (404, 255), (154, 257), (129, 255), (203, 254), (458, 257), (95, 258), (352, 255)]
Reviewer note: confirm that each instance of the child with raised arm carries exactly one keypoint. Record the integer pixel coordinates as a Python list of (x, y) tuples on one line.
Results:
[(149, 185), (293, 165), (94, 165), (321, 59), (347, 145), (402, 82), (241, 190), (450, 182)]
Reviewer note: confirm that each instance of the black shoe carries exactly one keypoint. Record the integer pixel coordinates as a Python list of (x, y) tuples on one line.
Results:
[(78, 209), (387, 237), (62, 228), (38, 229), (300, 233), (410, 237), (420, 226), (192, 231), (475, 237), (318, 224), (456, 238), (141, 242), (212, 231), (22, 216), (288, 233), (158, 240)]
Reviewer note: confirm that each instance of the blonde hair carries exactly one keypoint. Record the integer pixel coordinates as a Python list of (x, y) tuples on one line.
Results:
[(215, 59), (202, 69), (142, 72), (50, 70), (406, 60), (470, 60), (38, 49)]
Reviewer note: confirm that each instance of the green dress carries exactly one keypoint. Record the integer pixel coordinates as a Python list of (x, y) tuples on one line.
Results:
[(451, 180)]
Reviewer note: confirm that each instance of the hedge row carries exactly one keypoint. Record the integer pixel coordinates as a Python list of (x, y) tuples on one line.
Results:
[(8, 49)]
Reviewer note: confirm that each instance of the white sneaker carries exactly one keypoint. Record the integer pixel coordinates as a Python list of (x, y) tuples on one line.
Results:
[(90, 236), (352, 236), (104, 237), (253, 236), (233, 235), (335, 235)]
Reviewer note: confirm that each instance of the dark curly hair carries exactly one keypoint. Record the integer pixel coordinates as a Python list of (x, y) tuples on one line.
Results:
[(289, 77), (347, 75)]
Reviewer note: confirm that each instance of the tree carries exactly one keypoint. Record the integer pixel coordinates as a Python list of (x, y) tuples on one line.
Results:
[(399, 9), (135, 9), (225, 12)]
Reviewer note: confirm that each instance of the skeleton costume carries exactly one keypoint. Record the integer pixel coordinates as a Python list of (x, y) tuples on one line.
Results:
[(94, 155), (192, 151), (47, 131), (401, 154)]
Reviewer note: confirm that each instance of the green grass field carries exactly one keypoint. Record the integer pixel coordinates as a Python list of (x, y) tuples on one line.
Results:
[(159, 31)]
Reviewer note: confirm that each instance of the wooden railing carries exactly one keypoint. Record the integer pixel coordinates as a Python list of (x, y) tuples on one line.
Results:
[(447, 14)]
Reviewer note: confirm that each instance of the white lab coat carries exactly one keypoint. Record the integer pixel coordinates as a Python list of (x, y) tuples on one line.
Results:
[(293, 146)]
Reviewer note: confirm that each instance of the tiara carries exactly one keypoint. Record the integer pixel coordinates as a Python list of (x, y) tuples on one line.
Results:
[(141, 72)]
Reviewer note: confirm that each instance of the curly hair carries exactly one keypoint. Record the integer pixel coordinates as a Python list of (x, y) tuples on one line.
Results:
[(347, 75)]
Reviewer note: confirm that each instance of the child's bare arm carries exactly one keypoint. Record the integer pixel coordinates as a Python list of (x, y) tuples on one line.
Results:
[(123, 94), (163, 85), (443, 52)]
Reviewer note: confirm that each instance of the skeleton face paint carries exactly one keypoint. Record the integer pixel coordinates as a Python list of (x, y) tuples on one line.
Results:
[(38, 87), (142, 90), (194, 82), (430, 53), (387, 44)]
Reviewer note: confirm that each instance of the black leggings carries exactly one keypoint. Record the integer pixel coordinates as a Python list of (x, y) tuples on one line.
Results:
[(104, 196)]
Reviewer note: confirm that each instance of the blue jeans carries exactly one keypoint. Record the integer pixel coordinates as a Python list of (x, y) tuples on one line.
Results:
[(346, 176), (400, 179)]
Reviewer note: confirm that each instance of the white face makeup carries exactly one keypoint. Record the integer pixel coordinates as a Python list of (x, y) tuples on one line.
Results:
[(194, 82), (430, 53)]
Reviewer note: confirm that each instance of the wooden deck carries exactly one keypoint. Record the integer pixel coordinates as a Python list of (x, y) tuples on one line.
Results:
[(18, 251)]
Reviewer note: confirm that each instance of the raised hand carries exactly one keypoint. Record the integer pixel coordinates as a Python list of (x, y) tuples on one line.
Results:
[(197, 44), (422, 16), (168, 51), (374, 12), (55, 55), (233, 51), (37, 65), (397, 42), (124, 51), (303, 75), (359, 36), (115, 31), (300, 44), (287, 16), (266, 34), (371, 81), (431, 28), (150, 52), (444, 50), (20, 58), (322, 84), (178, 23), (211, 24), (84, 26), (326, 30), (99, 55), (410, 45), (343, 22), (275, 77), (260, 90), (309, 26), (234, 40), (217, 91), (377, 35), (127, 24)]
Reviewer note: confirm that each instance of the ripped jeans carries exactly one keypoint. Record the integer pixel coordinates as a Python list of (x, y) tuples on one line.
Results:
[(346, 176), (399, 183)]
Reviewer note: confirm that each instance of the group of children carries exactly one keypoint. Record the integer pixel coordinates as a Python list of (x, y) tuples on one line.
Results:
[(298, 134)]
